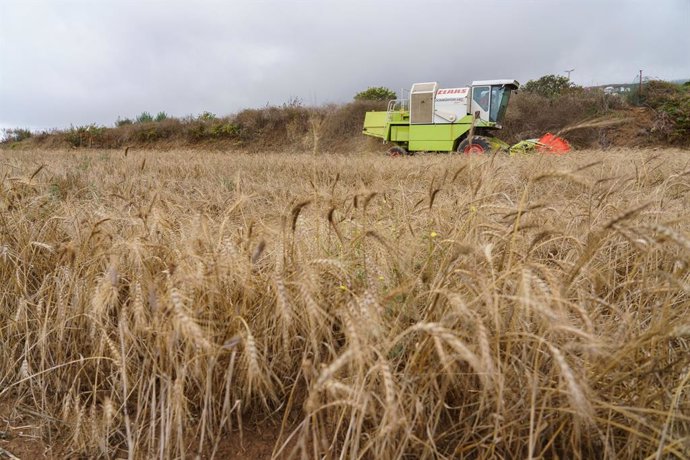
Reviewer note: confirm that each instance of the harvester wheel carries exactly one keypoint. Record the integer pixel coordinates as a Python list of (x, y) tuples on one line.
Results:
[(479, 146), (397, 151)]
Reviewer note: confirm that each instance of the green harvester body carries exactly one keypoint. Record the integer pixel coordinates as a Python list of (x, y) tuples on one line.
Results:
[(439, 120)]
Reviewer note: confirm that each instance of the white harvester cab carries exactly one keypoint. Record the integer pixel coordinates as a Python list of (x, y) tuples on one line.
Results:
[(430, 104), (490, 98)]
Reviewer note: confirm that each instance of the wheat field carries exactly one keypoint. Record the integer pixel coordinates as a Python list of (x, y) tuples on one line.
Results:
[(166, 304)]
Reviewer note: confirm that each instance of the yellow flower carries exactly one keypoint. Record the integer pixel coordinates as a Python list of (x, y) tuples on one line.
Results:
[(473, 208), (433, 234), (343, 287)]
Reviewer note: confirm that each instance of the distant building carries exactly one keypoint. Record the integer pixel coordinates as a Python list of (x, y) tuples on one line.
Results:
[(616, 89)]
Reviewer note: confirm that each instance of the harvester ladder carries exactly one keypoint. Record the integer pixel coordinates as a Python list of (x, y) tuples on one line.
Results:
[(389, 112)]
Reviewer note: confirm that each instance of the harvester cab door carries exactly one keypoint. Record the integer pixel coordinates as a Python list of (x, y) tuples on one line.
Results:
[(481, 101), (490, 99)]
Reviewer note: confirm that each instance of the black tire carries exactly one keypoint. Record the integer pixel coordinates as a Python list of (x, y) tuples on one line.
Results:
[(480, 145), (397, 151)]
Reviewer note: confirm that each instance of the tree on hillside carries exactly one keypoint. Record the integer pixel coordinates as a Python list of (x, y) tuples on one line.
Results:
[(145, 117), (377, 93), (548, 85)]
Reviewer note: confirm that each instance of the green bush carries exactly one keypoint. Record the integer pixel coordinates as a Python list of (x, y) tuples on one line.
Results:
[(85, 136), (207, 116), (549, 86), (167, 129), (145, 117), (671, 105), (223, 130), (195, 132), (147, 135), (655, 93), (678, 111), (123, 122), (377, 93), (160, 116), (16, 135)]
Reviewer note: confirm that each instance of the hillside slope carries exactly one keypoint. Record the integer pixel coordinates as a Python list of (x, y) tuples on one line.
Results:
[(661, 118)]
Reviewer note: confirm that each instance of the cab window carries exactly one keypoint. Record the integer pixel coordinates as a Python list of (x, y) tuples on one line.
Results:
[(499, 103), (480, 95), (496, 93)]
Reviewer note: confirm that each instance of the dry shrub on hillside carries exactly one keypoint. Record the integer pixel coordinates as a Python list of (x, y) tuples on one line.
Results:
[(296, 126), (431, 307), (345, 122), (530, 115), (671, 106), (288, 127), (293, 127), (273, 126)]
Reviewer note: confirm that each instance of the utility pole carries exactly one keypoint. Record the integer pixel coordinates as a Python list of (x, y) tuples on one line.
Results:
[(568, 72), (639, 91)]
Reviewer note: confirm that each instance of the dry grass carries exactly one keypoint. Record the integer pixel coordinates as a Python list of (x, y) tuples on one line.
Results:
[(427, 307), (290, 127)]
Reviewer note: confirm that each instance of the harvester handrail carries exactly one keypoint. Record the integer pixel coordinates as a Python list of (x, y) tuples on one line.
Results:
[(401, 105)]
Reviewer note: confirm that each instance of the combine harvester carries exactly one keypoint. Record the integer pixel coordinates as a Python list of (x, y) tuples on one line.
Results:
[(448, 119)]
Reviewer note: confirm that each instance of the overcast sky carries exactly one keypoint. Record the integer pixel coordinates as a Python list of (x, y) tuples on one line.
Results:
[(79, 62)]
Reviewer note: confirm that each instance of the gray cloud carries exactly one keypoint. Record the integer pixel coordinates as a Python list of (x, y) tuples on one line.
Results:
[(77, 62)]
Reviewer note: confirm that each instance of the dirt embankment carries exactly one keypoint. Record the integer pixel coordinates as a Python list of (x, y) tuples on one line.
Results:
[(638, 131)]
